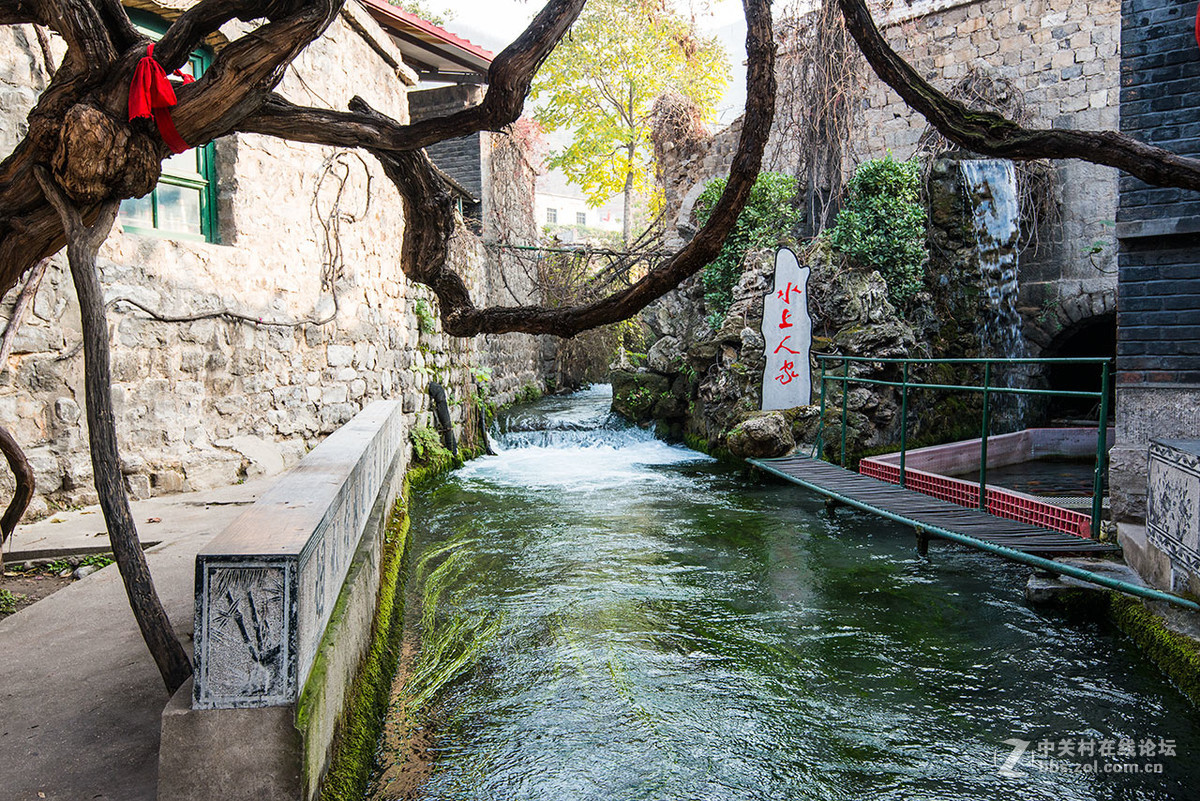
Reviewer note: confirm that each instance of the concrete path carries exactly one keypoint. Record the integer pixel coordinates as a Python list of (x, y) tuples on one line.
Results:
[(80, 697)]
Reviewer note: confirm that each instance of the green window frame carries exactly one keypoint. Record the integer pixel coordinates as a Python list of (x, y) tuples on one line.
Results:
[(183, 205)]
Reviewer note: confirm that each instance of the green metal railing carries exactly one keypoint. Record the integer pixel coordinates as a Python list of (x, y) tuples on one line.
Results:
[(988, 390)]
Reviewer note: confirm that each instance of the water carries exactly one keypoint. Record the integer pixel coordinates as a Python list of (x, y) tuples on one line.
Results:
[(670, 629), (991, 189), (1050, 478)]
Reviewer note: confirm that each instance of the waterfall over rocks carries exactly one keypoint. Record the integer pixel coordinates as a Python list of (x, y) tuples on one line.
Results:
[(991, 189)]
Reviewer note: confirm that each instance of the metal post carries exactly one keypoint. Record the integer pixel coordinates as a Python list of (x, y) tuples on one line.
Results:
[(845, 396), (819, 445), (983, 439), (1101, 454), (903, 423)]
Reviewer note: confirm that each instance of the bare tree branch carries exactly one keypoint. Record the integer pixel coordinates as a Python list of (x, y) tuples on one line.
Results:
[(80, 128), (509, 79), (207, 16), (17, 12), (428, 210), (24, 301), (993, 135), (90, 48), (83, 240), (123, 33), (23, 494), (43, 40)]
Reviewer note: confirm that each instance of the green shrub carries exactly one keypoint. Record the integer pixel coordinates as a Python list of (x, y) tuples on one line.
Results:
[(9, 601), (769, 216), (427, 445), (425, 316), (882, 224)]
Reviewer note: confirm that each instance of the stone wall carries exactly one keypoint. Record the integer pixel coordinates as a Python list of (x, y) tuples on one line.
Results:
[(302, 242), (1061, 57)]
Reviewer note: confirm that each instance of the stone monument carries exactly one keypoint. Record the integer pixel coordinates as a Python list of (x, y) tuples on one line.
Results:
[(787, 330)]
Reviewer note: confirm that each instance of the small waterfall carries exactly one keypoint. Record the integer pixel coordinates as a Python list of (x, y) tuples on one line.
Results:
[(581, 420), (575, 442), (991, 190), (991, 187)]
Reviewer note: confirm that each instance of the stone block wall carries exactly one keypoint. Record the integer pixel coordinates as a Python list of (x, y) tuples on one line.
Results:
[(308, 236), (1062, 56)]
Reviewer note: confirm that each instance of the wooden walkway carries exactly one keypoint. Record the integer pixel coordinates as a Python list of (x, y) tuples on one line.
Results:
[(930, 515)]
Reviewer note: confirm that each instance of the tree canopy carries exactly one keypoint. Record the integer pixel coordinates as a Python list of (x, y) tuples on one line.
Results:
[(601, 82)]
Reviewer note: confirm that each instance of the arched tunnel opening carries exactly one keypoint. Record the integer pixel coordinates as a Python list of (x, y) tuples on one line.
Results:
[(1093, 336)]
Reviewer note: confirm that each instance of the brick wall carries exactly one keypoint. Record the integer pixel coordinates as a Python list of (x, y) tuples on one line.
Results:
[(1158, 320), (1159, 311), (1159, 229), (462, 158), (1160, 75)]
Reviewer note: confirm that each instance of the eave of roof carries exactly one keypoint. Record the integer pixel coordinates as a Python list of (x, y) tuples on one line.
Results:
[(439, 44)]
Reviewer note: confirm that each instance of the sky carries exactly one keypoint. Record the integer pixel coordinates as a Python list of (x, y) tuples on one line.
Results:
[(496, 23)]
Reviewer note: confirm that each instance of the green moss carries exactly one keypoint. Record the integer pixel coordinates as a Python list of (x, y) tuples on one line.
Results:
[(699, 443), (1177, 655), (361, 721), (528, 393)]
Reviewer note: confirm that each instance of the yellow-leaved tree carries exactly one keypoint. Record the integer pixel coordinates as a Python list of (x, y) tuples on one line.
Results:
[(601, 81)]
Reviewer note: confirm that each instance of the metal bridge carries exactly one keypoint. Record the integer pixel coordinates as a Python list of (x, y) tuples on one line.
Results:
[(936, 518), (929, 516)]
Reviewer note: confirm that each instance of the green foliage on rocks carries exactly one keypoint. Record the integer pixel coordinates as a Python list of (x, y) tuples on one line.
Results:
[(769, 217), (427, 445), (882, 225)]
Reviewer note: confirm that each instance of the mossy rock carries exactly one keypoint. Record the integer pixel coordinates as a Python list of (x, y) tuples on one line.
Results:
[(762, 436)]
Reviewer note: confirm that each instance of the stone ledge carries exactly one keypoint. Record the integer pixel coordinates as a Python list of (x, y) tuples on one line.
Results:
[(266, 586)]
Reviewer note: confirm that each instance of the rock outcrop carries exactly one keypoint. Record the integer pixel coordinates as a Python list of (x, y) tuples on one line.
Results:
[(706, 385)]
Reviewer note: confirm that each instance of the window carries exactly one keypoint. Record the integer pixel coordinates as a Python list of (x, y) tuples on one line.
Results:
[(581, 218), (183, 205), (551, 215)]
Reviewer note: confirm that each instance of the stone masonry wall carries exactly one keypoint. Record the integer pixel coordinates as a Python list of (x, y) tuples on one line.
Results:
[(1062, 56), (302, 240)]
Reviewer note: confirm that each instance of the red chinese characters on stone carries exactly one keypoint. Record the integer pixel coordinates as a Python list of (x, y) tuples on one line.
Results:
[(783, 346), (786, 294), (787, 373), (783, 323)]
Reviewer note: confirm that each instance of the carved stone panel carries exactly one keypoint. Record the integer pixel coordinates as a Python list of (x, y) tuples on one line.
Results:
[(267, 585), (1173, 501), (246, 638)]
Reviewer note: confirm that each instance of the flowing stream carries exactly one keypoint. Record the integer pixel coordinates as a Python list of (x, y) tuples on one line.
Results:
[(663, 626)]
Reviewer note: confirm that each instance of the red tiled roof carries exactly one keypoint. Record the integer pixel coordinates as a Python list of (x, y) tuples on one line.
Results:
[(395, 17)]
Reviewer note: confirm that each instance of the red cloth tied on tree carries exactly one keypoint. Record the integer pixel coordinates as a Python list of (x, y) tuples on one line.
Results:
[(151, 95)]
